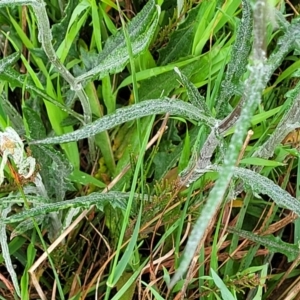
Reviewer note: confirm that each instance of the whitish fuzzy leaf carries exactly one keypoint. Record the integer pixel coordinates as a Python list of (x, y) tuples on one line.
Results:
[(18, 199), (26, 225), (8, 61), (13, 115), (193, 94), (128, 253), (58, 171), (285, 44), (239, 58), (55, 168), (114, 56), (288, 123), (122, 115), (72, 212), (17, 2), (272, 243), (263, 185), (115, 199), (5, 250), (12, 146)]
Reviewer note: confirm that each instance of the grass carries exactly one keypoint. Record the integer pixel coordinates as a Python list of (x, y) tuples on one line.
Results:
[(149, 150)]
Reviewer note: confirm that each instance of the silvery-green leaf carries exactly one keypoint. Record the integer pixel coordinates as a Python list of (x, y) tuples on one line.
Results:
[(19, 199), (288, 123), (5, 250), (253, 88), (193, 94), (114, 56), (17, 2), (26, 225), (263, 185), (13, 115), (55, 168), (58, 171), (272, 243), (239, 58), (122, 115), (68, 219), (8, 61), (115, 199)]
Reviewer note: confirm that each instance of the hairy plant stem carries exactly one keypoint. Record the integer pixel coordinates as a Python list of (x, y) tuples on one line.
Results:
[(253, 88), (45, 37)]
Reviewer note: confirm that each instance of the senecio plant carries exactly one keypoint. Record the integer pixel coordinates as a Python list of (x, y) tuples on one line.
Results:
[(47, 170)]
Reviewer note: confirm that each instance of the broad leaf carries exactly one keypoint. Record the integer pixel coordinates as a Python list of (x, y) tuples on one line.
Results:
[(181, 40)]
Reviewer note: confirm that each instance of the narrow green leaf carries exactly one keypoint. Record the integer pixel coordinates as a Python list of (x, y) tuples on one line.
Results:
[(60, 29), (123, 263), (78, 176), (155, 293), (226, 294), (263, 278), (14, 246), (256, 161), (185, 155)]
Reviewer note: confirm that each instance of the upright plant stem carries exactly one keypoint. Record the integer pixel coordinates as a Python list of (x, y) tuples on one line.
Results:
[(45, 37), (252, 95)]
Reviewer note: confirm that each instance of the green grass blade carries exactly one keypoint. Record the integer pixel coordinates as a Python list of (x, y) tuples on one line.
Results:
[(127, 255), (226, 294)]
